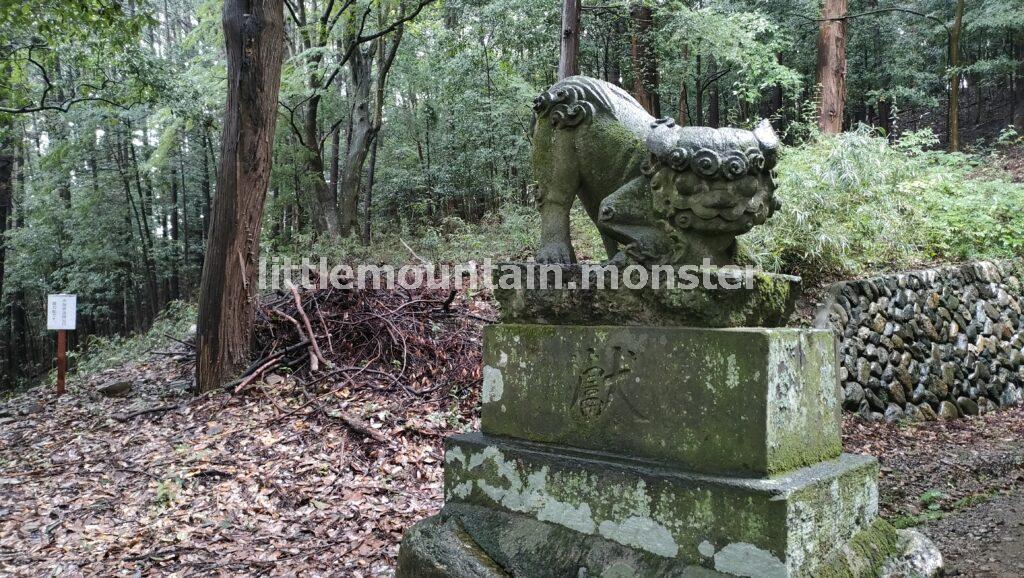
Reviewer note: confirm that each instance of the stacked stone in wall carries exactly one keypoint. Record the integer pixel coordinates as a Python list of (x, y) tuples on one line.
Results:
[(930, 344)]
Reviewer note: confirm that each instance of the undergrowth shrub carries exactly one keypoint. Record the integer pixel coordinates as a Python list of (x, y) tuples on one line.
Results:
[(100, 353), (854, 204)]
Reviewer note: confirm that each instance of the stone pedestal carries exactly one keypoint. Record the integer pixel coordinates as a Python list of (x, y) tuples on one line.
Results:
[(744, 401), (642, 450)]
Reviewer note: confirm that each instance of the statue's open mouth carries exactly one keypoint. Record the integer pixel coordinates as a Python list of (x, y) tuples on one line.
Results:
[(726, 212)]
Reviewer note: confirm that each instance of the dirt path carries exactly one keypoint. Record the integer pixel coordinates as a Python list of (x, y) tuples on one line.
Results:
[(986, 540), (960, 482)]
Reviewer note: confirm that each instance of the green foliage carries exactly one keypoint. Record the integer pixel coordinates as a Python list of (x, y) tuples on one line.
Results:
[(167, 491), (855, 204), (100, 353), (742, 41), (931, 499)]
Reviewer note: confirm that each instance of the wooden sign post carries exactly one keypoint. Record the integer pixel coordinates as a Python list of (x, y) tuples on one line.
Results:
[(61, 314)]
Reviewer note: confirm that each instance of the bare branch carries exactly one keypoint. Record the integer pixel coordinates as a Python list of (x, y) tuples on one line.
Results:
[(65, 105), (333, 21), (872, 12), (291, 11), (291, 121)]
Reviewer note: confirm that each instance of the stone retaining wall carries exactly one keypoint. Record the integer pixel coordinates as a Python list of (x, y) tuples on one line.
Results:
[(937, 343)]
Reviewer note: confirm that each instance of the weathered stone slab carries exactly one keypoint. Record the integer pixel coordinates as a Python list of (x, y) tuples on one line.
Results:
[(783, 526), (465, 541), (582, 298), (749, 401), (472, 542)]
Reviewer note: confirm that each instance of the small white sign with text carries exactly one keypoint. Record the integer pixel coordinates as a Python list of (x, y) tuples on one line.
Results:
[(61, 311)]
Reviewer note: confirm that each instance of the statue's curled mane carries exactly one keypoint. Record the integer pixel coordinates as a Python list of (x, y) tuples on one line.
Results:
[(576, 99)]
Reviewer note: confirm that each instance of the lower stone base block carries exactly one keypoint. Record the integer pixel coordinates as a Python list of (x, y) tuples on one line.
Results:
[(781, 526), (465, 541)]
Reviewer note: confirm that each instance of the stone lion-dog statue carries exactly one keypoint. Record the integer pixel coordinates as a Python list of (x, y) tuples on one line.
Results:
[(657, 192)]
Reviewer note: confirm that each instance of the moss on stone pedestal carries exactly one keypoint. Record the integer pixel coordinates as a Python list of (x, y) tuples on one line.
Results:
[(754, 401), (473, 542), (780, 525), (576, 295)]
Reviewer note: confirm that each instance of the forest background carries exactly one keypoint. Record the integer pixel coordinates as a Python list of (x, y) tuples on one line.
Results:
[(405, 126)]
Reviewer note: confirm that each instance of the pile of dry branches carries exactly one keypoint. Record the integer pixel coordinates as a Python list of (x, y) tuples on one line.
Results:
[(424, 342)]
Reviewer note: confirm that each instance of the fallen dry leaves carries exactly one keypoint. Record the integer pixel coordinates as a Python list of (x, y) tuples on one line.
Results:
[(957, 461), (273, 482)]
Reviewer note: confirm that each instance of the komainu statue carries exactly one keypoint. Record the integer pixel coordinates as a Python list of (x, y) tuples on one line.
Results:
[(658, 193)]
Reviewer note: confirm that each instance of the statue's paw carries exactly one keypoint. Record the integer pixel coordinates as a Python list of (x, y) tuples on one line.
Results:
[(556, 253)]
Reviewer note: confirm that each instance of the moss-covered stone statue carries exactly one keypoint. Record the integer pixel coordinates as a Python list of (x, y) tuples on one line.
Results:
[(671, 431), (659, 193)]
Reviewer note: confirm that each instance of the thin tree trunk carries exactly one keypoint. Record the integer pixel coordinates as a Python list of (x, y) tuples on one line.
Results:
[(186, 256), (145, 236), (254, 38), (832, 66), (569, 56), (207, 198), (683, 118), (1018, 108), (615, 64), (368, 197), (175, 286), (6, 195), (335, 155), (698, 92), (15, 341), (645, 63), (714, 99), (149, 271), (953, 114)]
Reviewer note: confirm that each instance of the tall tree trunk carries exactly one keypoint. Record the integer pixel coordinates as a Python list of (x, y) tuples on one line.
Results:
[(145, 240), (645, 63), (366, 118), (615, 63), (698, 92), (569, 56), (885, 117), (953, 114), (327, 211), (368, 197), (360, 135), (16, 359), (832, 66), (186, 255), (254, 38)]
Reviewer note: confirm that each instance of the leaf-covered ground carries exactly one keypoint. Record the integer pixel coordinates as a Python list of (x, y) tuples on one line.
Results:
[(270, 483), (260, 484)]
